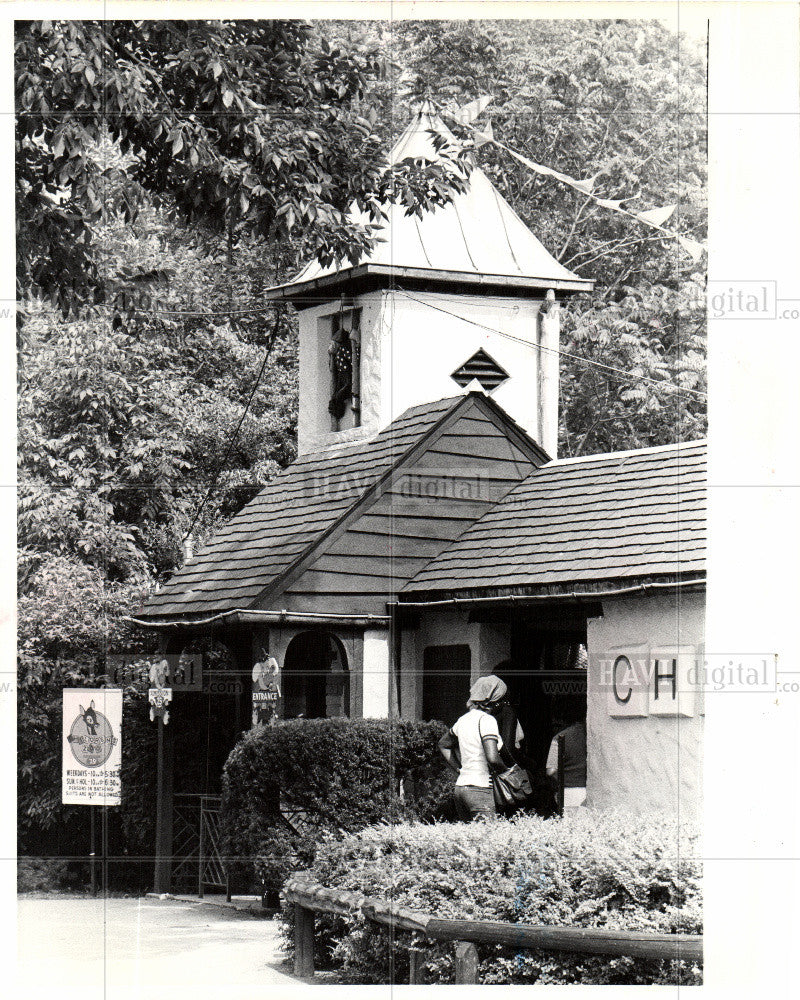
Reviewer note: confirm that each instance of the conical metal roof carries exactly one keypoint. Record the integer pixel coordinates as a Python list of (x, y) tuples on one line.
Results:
[(476, 239)]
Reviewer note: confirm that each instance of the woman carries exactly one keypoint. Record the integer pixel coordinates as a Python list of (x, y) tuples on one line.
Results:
[(472, 748)]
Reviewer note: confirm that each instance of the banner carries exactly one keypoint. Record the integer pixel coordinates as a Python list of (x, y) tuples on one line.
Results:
[(91, 747), (655, 217)]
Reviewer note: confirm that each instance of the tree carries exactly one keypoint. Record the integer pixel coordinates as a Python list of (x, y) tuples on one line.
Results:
[(239, 126), (623, 101)]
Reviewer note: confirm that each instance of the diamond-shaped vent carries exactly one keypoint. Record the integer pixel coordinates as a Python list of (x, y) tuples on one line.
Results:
[(483, 368)]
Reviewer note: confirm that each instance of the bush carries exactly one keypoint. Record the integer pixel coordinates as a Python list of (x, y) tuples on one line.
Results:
[(591, 869), (341, 775), (46, 875)]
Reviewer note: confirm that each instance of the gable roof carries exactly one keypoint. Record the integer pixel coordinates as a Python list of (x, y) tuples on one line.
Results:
[(574, 523), (258, 547), (476, 237)]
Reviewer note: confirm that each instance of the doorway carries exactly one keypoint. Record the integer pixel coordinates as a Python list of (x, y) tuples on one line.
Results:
[(316, 677), (547, 681)]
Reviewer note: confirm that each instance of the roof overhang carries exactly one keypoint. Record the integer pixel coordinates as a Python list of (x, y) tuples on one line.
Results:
[(368, 277), (247, 616), (552, 593)]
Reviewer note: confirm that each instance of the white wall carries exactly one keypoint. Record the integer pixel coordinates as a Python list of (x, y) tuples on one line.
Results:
[(488, 645), (646, 753), (409, 350), (377, 674)]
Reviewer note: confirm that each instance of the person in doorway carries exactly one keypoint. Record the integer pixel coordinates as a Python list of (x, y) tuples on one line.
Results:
[(511, 732), (472, 749), (574, 756)]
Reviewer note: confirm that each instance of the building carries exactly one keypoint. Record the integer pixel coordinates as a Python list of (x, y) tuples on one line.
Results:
[(428, 532)]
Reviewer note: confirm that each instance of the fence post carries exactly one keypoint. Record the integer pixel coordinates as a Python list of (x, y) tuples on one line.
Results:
[(466, 963), (415, 961), (303, 941), (200, 850)]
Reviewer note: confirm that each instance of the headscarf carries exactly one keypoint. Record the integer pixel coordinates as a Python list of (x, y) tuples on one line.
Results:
[(486, 690)]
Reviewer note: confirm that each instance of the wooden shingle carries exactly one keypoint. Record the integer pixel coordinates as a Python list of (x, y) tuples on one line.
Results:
[(637, 514), (338, 529)]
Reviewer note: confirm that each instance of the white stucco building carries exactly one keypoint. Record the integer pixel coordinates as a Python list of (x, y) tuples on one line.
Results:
[(428, 531)]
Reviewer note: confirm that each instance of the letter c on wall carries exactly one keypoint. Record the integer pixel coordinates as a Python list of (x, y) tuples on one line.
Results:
[(627, 665)]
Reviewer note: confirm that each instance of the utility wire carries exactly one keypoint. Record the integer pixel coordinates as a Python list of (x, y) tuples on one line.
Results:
[(233, 437), (617, 372)]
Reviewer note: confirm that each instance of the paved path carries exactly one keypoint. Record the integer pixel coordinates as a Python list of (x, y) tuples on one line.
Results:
[(127, 949)]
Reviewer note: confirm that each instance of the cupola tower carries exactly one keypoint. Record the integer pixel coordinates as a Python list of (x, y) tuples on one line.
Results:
[(464, 298)]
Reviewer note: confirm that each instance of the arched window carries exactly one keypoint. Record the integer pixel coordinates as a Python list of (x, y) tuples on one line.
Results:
[(316, 678)]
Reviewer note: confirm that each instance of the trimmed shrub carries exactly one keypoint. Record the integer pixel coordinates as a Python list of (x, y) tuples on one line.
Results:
[(340, 775), (591, 869)]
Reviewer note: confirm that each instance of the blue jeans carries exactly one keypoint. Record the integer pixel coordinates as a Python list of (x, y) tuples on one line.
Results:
[(473, 801)]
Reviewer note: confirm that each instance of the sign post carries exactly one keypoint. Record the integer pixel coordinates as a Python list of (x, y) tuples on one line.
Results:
[(91, 758)]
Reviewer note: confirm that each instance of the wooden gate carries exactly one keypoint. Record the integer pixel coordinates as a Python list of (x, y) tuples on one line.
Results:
[(196, 857), (211, 868)]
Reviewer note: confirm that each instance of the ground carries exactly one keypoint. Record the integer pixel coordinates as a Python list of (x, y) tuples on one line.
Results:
[(144, 948)]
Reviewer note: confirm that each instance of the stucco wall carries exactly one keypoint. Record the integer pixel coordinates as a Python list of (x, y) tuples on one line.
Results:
[(488, 645), (409, 350), (645, 760)]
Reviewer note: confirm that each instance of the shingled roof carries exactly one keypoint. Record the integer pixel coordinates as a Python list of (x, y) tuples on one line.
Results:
[(287, 519), (576, 523)]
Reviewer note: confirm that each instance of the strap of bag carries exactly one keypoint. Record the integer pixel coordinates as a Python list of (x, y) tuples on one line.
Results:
[(481, 736)]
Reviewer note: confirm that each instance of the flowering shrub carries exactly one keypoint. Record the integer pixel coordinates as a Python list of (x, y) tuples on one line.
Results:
[(591, 869)]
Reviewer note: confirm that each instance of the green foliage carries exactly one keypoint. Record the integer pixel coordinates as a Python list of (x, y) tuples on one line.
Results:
[(591, 869), (341, 774), (44, 875)]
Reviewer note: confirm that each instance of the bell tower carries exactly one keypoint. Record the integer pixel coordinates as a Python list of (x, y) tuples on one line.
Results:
[(464, 298)]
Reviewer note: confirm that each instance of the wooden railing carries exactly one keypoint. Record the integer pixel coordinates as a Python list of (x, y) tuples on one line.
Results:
[(310, 898)]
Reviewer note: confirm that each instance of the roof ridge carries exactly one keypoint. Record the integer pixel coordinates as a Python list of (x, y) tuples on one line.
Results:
[(299, 563), (340, 448), (600, 456)]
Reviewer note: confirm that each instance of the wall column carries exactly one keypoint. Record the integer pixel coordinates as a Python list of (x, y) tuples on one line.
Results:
[(549, 334), (377, 674)]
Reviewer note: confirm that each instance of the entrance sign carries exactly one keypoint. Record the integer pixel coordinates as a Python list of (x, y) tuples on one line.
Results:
[(266, 690), (648, 680), (91, 746)]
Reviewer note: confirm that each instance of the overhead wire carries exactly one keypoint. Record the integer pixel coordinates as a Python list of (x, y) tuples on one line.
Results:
[(233, 437), (617, 372)]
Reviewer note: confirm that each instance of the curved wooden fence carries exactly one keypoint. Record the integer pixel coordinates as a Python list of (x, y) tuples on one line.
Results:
[(309, 898)]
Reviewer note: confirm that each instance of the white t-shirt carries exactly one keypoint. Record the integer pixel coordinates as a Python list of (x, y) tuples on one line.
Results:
[(470, 730)]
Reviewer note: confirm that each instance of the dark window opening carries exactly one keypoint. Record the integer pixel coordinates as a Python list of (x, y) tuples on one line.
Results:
[(344, 360), (316, 679)]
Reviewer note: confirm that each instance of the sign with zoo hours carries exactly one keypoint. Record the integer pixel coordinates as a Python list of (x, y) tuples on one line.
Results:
[(91, 747)]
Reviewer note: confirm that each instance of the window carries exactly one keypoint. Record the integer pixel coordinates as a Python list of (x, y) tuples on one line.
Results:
[(344, 359)]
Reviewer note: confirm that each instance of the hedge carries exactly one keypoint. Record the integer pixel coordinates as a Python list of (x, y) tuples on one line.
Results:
[(345, 774), (591, 869)]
